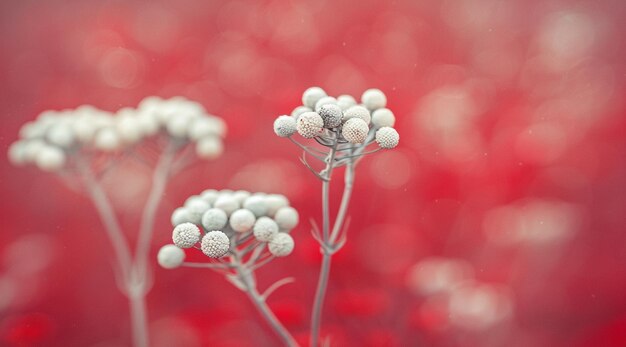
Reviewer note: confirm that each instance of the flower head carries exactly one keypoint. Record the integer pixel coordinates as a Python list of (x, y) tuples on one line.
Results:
[(387, 137), (281, 245), (170, 257), (355, 130), (215, 244), (310, 124), (265, 228), (186, 235), (285, 126)]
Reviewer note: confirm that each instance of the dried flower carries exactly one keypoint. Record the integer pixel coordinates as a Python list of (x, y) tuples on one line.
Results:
[(281, 245), (285, 126), (170, 257), (242, 220), (214, 219), (265, 228), (383, 117), (355, 130), (186, 235), (215, 244), (331, 114), (310, 124), (374, 99), (387, 137), (287, 218), (311, 96), (357, 112)]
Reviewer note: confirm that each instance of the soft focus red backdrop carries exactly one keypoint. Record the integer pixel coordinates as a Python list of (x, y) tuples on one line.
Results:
[(511, 166)]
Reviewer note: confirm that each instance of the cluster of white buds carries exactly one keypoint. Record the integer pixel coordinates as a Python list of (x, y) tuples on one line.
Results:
[(47, 141), (321, 115), (227, 222)]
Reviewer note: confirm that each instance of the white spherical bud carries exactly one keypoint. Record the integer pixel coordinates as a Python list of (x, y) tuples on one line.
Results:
[(214, 219), (227, 203), (264, 229), (180, 216), (215, 244), (345, 102), (285, 126), (331, 114), (210, 195), (355, 130), (170, 257), (242, 220), (16, 153), (281, 245), (195, 209), (310, 124), (383, 117), (203, 127), (311, 96), (256, 204), (186, 235), (274, 203), (387, 137), (241, 196), (178, 125), (107, 140), (327, 100), (300, 110), (209, 147), (357, 112), (129, 129), (32, 149), (287, 218), (84, 128), (148, 123), (61, 135), (374, 99), (31, 130), (50, 158)]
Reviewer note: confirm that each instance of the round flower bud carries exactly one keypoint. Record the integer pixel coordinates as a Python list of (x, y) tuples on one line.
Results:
[(128, 128), (345, 102), (107, 140), (311, 96), (50, 158), (170, 257), (32, 149), (214, 219), (357, 112), (241, 196), (309, 125), (287, 218), (215, 244), (227, 203), (203, 127), (374, 99), (186, 235), (275, 202), (387, 137), (257, 205), (178, 125), (383, 117), (331, 114), (16, 153), (209, 147), (324, 101), (300, 110), (281, 245), (148, 123), (355, 130), (242, 220), (84, 128), (196, 208), (210, 195), (265, 228), (180, 216), (285, 126), (61, 135)]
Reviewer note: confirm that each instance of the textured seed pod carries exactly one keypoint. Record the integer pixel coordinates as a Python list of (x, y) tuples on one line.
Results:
[(345, 102), (242, 220), (310, 124), (170, 257), (281, 245), (324, 101), (257, 205), (227, 203), (196, 208), (287, 218), (374, 99), (186, 235), (265, 228), (331, 115), (210, 195), (50, 158), (275, 202), (387, 137), (180, 216), (383, 117), (311, 96), (300, 110), (215, 244), (355, 130), (285, 126), (214, 219), (357, 112)]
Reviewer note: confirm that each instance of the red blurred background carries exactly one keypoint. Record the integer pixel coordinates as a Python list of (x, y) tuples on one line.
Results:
[(499, 220)]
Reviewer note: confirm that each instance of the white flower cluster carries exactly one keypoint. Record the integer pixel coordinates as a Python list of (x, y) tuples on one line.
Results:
[(352, 122), (217, 219), (47, 141)]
